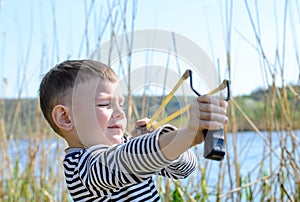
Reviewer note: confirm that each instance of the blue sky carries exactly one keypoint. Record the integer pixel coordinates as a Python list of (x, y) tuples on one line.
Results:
[(28, 46)]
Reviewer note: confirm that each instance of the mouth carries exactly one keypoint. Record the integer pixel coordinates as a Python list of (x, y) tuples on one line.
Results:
[(116, 126)]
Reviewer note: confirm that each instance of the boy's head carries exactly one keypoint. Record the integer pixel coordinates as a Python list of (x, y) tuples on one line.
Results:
[(79, 100)]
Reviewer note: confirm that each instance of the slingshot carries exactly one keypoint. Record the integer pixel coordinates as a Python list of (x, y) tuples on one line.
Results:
[(214, 139), (187, 74)]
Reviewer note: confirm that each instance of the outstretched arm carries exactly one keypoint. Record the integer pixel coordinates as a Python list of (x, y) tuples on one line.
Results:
[(180, 168)]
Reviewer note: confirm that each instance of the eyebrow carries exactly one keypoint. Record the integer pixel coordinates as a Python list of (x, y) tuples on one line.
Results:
[(108, 97)]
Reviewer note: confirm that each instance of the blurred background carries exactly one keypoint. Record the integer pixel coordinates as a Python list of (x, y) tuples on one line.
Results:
[(254, 44)]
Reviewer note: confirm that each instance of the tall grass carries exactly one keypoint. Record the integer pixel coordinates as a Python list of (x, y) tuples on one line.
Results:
[(31, 154)]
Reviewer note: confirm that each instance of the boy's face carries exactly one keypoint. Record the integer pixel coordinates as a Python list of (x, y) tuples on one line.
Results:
[(98, 113)]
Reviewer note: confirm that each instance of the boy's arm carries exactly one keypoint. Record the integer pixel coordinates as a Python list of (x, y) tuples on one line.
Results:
[(182, 167)]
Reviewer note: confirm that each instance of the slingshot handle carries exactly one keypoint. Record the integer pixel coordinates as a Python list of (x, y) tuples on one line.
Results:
[(214, 147)]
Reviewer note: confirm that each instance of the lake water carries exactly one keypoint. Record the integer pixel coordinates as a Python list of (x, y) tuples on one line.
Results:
[(251, 150)]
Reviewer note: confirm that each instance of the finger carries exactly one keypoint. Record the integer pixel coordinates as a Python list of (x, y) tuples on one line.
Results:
[(213, 117), (142, 122), (224, 104), (209, 99), (134, 133), (138, 131), (212, 100), (210, 125), (210, 108)]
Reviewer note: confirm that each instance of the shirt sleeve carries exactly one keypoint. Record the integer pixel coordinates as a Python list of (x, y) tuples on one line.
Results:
[(181, 167), (108, 168)]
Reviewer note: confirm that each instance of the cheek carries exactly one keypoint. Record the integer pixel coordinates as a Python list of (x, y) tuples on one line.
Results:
[(103, 116)]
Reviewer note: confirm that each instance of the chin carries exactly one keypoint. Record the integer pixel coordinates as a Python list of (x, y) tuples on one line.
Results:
[(113, 142), (116, 139)]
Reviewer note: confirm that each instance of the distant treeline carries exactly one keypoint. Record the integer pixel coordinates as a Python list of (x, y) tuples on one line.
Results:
[(266, 106)]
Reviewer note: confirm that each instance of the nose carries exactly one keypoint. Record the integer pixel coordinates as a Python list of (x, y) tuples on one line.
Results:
[(118, 112)]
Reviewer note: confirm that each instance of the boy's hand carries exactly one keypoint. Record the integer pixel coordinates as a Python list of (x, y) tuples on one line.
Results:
[(206, 112), (140, 127)]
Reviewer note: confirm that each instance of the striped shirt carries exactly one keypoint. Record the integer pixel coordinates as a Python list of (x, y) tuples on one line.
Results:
[(123, 172)]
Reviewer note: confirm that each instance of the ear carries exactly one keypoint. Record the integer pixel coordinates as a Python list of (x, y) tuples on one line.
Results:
[(61, 116)]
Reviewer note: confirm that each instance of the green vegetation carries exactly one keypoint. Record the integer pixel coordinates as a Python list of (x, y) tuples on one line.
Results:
[(32, 170), (257, 106)]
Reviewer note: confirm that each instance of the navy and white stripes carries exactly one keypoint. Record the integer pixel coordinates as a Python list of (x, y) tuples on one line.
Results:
[(123, 172)]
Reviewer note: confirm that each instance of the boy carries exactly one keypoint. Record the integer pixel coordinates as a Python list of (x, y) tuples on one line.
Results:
[(81, 102)]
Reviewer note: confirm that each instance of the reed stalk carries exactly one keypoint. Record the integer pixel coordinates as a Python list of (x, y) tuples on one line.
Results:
[(27, 171)]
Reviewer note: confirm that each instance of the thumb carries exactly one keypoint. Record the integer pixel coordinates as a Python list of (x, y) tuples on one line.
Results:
[(142, 122)]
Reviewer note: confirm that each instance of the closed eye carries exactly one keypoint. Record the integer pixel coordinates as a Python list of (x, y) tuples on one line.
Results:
[(103, 105)]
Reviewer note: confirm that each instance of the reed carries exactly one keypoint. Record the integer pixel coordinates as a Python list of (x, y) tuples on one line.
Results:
[(27, 171), (31, 154)]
